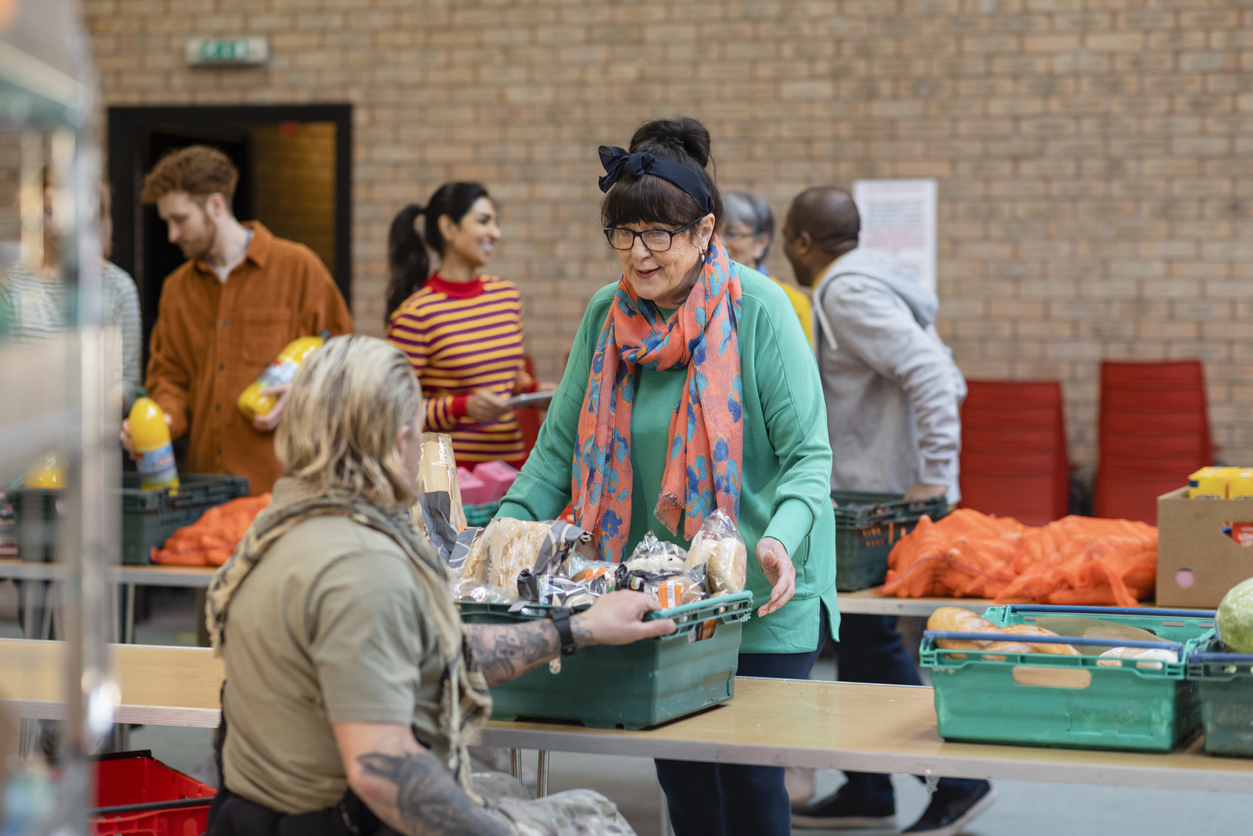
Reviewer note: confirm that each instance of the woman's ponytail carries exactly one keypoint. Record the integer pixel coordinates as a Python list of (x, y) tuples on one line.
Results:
[(407, 259)]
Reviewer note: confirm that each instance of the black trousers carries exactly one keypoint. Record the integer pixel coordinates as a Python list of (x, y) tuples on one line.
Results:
[(727, 799), (871, 651)]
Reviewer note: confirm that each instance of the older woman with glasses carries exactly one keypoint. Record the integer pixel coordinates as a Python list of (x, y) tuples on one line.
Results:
[(748, 231), (691, 387)]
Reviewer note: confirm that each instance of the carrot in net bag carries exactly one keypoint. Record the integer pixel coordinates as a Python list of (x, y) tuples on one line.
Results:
[(1074, 560)]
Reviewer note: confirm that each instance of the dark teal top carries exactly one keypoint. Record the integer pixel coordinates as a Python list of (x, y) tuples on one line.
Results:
[(786, 467)]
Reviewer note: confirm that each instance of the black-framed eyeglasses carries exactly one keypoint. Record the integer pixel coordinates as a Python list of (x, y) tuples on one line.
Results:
[(655, 240)]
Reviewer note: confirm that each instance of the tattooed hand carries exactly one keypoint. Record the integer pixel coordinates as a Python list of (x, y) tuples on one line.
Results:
[(507, 651), (405, 786)]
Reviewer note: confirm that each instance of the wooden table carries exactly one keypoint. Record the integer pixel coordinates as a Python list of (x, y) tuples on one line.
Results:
[(867, 728), (866, 602), (129, 577)]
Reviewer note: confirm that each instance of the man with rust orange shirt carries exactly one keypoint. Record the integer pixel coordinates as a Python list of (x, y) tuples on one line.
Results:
[(225, 314)]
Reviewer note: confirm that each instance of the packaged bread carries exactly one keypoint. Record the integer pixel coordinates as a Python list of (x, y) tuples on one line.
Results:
[(508, 546), (653, 555), (1139, 654), (1041, 647), (959, 620), (439, 513), (719, 548)]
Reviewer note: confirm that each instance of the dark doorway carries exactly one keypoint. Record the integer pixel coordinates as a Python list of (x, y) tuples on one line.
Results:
[(295, 176)]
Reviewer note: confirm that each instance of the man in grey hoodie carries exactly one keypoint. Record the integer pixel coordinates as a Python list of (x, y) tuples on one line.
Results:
[(892, 393)]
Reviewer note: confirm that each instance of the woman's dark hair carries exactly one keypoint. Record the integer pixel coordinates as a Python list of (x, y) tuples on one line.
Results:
[(650, 199), (408, 260)]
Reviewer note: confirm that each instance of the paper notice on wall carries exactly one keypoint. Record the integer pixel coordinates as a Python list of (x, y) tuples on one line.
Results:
[(898, 220)]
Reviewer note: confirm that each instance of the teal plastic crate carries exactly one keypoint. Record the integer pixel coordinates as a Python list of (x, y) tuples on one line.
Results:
[(1225, 682), (149, 517), (1039, 699), (632, 686), (478, 516), (867, 526)]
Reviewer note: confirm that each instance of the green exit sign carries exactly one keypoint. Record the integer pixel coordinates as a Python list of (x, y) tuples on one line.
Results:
[(226, 51)]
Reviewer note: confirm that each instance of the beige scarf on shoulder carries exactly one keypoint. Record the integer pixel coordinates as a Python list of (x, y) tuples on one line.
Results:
[(465, 702)]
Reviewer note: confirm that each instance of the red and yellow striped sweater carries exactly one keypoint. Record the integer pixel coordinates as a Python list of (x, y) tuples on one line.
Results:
[(462, 337)]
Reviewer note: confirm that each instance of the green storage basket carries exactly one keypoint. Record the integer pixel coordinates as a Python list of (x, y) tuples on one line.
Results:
[(1039, 699), (631, 686), (867, 526), (149, 517), (478, 516), (1226, 690), (36, 518)]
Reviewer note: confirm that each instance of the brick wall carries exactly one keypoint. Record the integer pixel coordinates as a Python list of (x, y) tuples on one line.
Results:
[(1089, 153)]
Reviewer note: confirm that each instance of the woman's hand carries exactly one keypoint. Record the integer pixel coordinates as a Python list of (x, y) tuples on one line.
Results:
[(269, 422), (779, 570), (485, 405)]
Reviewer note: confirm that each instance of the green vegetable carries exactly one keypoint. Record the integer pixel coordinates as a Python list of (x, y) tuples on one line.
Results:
[(1235, 617)]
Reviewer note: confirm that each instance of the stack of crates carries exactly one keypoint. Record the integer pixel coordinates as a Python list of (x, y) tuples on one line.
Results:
[(867, 526)]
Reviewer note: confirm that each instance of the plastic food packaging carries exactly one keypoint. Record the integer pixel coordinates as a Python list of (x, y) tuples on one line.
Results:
[(1139, 654), (959, 620), (439, 513), (151, 437), (251, 402), (653, 555), (508, 546), (472, 589), (719, 548)]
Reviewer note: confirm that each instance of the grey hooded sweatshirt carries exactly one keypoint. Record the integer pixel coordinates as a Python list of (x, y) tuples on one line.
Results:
[(891, 386)]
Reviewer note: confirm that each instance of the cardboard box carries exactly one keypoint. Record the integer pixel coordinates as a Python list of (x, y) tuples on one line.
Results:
[(1197, 558)]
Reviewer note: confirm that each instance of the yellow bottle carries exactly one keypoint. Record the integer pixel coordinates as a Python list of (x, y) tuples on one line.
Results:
[(251, 402), (48, 474), (151, 437)]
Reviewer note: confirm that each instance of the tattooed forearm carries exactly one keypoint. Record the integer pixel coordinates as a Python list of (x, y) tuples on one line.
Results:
[(506, 651), (426, 801)]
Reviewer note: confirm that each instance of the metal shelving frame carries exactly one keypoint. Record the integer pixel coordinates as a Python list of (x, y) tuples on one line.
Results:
[(53, 393)]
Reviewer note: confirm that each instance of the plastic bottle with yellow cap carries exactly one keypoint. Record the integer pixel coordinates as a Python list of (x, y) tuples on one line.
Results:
[(251, 402), (151, 437)]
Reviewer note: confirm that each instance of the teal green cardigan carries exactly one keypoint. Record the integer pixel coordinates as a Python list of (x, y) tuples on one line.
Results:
[(786, 467)]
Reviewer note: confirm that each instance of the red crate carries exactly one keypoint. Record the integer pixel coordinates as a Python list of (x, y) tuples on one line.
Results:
[(139, 778)]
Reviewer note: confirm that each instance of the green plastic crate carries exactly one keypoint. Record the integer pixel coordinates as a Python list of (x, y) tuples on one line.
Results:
[(867, 526), (1039, 699), (478, 516), (36, 522), (1225, 681), (149, 517), (633, 686)]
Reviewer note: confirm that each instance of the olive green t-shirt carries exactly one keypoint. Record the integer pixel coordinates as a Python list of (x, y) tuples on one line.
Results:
[(329, 627)]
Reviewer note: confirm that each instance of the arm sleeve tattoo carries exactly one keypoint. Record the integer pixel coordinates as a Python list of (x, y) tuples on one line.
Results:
[(506, 651), (427, 800)]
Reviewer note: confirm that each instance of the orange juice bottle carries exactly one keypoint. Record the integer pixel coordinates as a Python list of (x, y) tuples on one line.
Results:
[(151, 437), (48, 474), (251, 402)]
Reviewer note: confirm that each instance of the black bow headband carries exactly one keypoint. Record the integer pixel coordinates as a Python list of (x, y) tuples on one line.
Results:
[(617, 162)]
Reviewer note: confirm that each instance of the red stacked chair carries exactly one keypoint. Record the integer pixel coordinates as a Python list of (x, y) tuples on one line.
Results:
[(1013, 459), (1154, 431)]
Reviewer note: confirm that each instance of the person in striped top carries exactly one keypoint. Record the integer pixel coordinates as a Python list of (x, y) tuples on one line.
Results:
[(461, 330)]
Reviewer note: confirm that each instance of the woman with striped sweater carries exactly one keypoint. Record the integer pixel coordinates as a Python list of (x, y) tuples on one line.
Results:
[(461, 330)]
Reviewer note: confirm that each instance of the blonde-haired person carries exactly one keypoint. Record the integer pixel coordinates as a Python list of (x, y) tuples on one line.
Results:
[(351, 682)]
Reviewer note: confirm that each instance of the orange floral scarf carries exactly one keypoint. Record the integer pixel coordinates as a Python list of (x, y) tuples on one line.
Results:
[(703, 468)]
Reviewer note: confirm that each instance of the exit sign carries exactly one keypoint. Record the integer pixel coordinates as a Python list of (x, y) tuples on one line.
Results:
[(227, 51)]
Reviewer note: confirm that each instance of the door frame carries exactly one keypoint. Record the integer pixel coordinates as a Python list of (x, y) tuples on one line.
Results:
[(126, 130)]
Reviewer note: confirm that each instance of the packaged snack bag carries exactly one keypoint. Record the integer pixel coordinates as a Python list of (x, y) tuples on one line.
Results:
[(720, 549)]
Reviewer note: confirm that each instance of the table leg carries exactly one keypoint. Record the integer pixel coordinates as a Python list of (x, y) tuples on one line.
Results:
[(128, 626), (515, 763), (541, 779)]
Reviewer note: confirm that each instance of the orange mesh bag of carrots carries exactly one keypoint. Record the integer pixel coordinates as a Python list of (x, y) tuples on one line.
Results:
[(1074, 560), (210, 540)]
